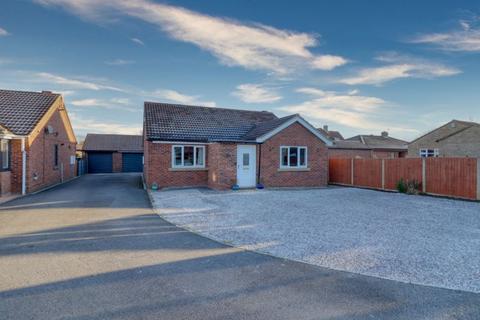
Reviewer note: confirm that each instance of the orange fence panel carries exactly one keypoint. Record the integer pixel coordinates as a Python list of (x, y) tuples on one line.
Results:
[(367, 173), (340, 171), (452, 176), (403, 168)]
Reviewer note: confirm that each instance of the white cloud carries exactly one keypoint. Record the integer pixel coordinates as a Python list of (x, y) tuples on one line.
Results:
[(112, 104), (399, 67), (328, 62), (72, 83), (138, 41), (256, 93), (465, 39), (177, 97), (252, 46), (3, 32), (86, 125), (119, 62), (351, 109)]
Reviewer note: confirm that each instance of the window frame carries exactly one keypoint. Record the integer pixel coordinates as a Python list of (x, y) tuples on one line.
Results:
[(2, 152), (429, 153), (298, 166), (182, 165)]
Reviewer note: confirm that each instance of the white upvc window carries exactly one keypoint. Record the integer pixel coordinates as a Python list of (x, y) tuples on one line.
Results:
[(186, 156), (293, 157), (5, 152), (429, 153)]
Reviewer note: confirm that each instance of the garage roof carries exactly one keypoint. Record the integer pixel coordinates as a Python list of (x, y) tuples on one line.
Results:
[(113, 142)]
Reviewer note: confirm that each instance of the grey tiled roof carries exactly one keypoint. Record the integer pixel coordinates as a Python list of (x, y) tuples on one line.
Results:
[(112, 142), (20, 111), (173, 122), (265, 127)]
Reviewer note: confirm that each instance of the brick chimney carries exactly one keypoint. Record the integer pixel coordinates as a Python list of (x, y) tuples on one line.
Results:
[(325, 127), (384, 134)]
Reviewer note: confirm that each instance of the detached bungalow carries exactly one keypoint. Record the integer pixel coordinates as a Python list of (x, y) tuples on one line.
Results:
[(219, 148), (37, 142)]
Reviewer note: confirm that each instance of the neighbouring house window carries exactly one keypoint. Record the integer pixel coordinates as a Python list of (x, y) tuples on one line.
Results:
[(429, 153), (293, 157), (5, 151), (188, 156), (55, 155)]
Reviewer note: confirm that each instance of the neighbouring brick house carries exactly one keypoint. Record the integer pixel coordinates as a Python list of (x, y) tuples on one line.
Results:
[(37, 141), (454, 139), (107, 153), (219, 148), (369, 147)]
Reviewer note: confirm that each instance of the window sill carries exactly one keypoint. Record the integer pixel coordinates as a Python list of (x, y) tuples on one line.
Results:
[(188, 169), (293, 169)]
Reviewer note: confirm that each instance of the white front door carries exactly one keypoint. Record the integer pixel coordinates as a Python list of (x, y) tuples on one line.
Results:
[(246, 166)]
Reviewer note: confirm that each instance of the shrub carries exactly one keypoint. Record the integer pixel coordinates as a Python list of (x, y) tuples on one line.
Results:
[(409, 187), (401, 186)]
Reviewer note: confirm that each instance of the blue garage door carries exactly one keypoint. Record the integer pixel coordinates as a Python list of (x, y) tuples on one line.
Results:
[(100, 162), (132, 162)]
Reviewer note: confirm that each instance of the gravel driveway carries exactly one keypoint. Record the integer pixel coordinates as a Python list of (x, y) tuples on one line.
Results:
[(422, 240)]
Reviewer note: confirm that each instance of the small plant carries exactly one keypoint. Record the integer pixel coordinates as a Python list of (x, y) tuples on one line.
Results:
[(402, 186), (408, 186)]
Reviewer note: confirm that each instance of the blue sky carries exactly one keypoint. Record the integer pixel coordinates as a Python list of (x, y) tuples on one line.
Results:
[(358, 66)]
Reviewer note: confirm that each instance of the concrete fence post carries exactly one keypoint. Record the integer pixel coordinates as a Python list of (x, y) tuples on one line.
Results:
[(383, 174), (351, 170), (478, 178), (424, 175)]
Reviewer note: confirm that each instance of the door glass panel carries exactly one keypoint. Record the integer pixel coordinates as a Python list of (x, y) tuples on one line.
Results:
[(246, 159)]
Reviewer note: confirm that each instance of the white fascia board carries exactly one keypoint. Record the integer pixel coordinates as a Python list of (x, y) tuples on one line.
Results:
[(303, 122)]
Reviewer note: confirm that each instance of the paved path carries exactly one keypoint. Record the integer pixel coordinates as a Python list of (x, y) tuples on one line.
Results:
[(93, 249)]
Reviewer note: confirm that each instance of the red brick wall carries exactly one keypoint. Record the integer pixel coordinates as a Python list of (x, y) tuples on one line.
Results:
[(222, 165), (158, 163), (295, 135), (117, 162), (349, 153), (41, 171)]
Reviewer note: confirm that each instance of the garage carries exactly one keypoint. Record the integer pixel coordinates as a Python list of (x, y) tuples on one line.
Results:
[(100, 162), (132, 162), (112, 153)]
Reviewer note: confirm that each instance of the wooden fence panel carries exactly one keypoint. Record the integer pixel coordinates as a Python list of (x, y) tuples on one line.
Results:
[(403, 168), (452, 177), (367, 173), (340, 171)]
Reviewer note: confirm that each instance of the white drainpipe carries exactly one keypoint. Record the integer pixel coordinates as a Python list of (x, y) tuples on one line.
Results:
[(24, 168)]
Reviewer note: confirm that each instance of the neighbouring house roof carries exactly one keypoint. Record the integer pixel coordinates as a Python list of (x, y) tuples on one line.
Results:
[(464, 125), (336, 135), (332, 135), (113, 142), (372, 142), (20, 111), (173, 122)]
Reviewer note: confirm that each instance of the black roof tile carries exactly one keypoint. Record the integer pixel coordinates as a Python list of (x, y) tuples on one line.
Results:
[(20, 111)]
